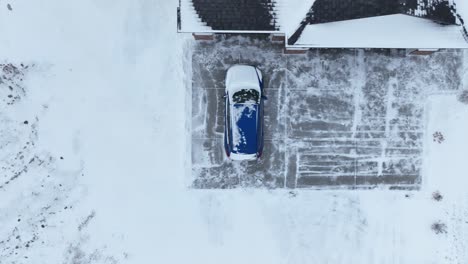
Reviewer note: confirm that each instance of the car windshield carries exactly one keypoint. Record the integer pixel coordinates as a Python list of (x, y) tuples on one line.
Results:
[(246, 96)]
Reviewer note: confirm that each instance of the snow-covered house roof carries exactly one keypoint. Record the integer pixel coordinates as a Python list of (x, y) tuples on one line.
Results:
[(333, 23), (387, 31)]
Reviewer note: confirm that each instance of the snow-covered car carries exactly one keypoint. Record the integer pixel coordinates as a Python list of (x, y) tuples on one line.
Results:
[(243, 130)]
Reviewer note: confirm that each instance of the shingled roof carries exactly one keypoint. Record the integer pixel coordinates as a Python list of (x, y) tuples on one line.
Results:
[(270, 15), (325, 11), (236, 14)]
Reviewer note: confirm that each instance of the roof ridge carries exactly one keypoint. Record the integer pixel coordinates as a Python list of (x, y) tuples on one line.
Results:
[(326, 11)]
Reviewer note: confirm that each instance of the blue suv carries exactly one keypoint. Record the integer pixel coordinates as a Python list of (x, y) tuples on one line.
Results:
[(243, 132)]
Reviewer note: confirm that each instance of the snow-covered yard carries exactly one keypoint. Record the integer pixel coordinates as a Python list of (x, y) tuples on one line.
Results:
[(95, 159)]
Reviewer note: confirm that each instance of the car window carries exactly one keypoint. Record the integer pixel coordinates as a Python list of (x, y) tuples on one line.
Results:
[(246, 96)]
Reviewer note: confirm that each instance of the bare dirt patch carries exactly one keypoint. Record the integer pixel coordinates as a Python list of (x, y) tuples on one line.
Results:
[(437, 196), (463, 96), (439, 227), (438, 137), (11, 82)]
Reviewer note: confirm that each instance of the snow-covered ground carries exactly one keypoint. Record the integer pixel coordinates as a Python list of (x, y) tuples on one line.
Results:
[(98, 173)]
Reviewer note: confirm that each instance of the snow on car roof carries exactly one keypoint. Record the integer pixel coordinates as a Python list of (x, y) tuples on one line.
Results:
[(244, 128)]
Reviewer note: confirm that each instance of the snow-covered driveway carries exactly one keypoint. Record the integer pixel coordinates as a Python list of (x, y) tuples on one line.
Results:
[(334, 118)]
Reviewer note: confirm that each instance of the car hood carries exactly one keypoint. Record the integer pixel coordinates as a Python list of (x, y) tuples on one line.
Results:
[(244, 128), (242, 75)]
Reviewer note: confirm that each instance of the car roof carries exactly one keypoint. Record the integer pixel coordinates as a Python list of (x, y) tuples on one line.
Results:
[(244, 128)]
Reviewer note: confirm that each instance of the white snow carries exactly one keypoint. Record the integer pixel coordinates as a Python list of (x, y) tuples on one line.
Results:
[(242, 76), (288, 15), (291, 13), (109, 92), (190, 21), (389, 31), (446, 161), (445, 171), (462, 10)]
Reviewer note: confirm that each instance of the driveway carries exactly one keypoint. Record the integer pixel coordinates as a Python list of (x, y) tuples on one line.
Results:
[(334, 118)]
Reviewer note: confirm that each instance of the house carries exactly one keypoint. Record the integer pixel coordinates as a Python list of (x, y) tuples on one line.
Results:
[(418, 25)]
